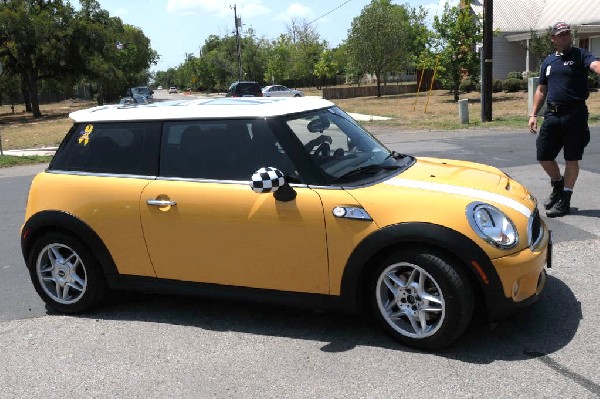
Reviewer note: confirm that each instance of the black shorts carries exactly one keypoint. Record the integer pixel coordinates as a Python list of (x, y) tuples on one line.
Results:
[(567, 129)]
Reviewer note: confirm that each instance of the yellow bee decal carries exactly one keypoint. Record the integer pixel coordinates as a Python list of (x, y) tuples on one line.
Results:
[(85, 135)]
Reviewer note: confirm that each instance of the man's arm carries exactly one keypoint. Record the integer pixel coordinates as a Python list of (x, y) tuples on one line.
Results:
[(538, 100)]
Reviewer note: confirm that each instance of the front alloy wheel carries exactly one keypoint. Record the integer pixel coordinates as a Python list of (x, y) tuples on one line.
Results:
[(421, 298), (410, 300)]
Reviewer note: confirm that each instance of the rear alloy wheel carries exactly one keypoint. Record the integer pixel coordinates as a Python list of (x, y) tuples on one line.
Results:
[(65, 274), (421, 300)]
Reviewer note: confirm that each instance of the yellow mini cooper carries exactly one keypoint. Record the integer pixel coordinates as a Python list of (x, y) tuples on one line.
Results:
[(288, 199)]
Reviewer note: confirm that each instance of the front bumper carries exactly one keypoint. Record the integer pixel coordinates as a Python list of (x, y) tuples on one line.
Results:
[(522, 276)]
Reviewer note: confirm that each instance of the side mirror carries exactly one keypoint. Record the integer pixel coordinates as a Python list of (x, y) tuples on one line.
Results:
[(268, 179)]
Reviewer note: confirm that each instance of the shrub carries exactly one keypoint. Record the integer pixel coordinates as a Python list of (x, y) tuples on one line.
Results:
[(467, 86), (497, 86), (593, 81), (524, 85), (514, 75), (531, 74), (512, 85)]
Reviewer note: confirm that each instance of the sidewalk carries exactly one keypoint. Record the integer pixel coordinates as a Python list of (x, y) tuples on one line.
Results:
[(45, 151)]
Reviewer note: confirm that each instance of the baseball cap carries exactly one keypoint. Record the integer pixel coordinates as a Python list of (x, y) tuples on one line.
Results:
[(560, 27)]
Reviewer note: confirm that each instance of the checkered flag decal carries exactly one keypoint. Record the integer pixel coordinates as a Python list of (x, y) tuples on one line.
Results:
[(266, 180)]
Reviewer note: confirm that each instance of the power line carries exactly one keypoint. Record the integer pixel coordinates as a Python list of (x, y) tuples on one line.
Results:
[(326, 14)]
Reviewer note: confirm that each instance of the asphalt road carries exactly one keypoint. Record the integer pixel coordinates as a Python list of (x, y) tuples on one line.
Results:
[(158, 346)]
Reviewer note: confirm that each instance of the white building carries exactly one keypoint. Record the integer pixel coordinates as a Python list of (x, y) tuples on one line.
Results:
[(515, 19)]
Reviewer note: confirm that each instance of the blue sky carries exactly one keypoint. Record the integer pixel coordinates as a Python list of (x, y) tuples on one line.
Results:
[(177, 27)]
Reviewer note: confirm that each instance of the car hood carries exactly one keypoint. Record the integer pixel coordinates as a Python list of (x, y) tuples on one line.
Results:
[(443, 182), (467, 178)]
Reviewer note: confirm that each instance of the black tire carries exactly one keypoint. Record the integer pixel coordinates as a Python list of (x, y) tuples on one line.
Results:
[(429, 314), (65, 274)]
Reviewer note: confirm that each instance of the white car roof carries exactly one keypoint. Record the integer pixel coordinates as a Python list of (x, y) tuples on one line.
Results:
[(204, 108)]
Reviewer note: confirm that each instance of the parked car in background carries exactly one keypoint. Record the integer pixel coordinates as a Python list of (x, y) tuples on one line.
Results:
[(142, 94), (159, 88), (172, 90), (279, 199), (244, 89), (281, 91), (131, 101)]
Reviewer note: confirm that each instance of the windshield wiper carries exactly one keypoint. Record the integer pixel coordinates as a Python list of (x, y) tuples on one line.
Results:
[(396, 155), (372, 169)]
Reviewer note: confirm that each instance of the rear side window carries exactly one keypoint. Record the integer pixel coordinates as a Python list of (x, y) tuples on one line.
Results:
[(220, 150), (247, 89), (116, 148)]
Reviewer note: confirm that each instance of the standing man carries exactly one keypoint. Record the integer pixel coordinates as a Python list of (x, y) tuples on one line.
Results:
[(563, 82)]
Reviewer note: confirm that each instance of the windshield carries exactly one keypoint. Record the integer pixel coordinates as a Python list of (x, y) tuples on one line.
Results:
[(341, 148), (140, 90)]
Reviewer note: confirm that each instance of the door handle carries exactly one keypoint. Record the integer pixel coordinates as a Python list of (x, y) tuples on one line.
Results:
[(160, 202)]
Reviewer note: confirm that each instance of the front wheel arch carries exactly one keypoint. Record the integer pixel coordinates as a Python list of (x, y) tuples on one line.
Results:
[(452, 245)]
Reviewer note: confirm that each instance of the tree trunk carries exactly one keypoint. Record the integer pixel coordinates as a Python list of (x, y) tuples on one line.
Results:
[(25, 92), (31, 77), (378, 77)]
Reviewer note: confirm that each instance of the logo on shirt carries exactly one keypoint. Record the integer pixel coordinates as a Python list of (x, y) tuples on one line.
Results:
[(568, 63)]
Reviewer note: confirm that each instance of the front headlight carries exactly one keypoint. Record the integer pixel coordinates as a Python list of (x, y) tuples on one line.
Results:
[(491, 224)]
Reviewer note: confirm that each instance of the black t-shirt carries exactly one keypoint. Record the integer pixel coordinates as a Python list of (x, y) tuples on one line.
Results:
[(566, 75)]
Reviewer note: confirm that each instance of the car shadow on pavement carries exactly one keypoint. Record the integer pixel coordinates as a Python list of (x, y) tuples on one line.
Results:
[(537, 331)]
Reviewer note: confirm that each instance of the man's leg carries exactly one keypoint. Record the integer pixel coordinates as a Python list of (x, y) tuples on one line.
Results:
[(556, 180), (563, 205), (571, 173), (552, 170)]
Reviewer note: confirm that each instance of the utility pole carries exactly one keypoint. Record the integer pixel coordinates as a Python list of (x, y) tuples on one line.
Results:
[(238, 26), (487, 62)]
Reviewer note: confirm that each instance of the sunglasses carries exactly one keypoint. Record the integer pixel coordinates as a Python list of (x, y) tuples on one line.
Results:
[(563, 34)]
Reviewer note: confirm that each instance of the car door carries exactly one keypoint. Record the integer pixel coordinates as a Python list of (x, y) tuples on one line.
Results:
[(203, 223), (275, 91)]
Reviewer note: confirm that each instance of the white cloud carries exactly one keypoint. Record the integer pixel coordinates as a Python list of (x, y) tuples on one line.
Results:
[(295, 11), (245, 8)]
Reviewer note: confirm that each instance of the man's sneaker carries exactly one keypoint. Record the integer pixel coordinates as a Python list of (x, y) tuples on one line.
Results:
[(557, 189), (562, 206)]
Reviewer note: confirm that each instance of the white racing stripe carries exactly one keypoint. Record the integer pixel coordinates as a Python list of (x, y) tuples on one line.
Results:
[(469, 192)]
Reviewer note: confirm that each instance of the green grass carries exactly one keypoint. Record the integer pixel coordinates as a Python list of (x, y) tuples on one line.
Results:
[(7, 161)]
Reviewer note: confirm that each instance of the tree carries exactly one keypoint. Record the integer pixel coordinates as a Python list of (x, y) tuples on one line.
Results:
[(457, 34), (540, 46), (46, 40), (278, 59), (34, 42), (305, 51), (326, 67), (380, 39)]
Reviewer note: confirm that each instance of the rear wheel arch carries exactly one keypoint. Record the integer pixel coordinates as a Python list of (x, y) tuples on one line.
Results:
[(45, 222), (64, 272)]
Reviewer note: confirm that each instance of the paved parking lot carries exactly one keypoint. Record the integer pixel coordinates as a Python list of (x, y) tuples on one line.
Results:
[(158, 346)]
